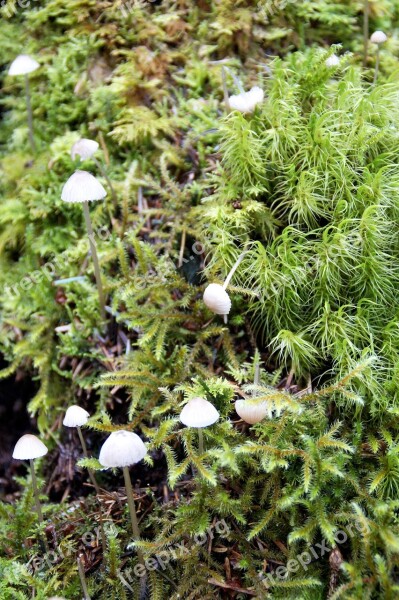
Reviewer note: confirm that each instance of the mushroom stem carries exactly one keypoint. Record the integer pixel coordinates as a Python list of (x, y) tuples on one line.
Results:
[(36, 492), (132, 508), (377, 64), (225, 91), (83, 579), (200, 441), (233, 270), (257, 371), (96, 264), (30, 116), (103, 172), (365, 31)]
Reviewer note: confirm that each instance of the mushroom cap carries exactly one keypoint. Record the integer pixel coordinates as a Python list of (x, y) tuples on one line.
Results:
[(198, 412), (82, 187), (246, 101), (84, 148), (251, 411), (22, 65), (217, 299), (29, 446), (332, 61), (75, 416), (122, 449), (378, 37)]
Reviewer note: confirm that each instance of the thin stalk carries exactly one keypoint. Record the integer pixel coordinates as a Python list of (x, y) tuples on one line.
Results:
[(36, 492), (225, 91), (96, 264), (82, 577), (37, 502), (97, 488), (365, 31), (257, 371), (182, 246), (30, 115), (132, 510), (377, 65), (200, 441), (233, 270), (104, 173)]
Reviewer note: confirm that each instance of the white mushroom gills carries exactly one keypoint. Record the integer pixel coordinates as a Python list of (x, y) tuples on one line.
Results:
[(251, 411)]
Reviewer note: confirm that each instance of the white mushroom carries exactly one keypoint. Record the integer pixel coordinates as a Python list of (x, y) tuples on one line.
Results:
[(30, 447), (83, 187), (378, 37), (217, 299), (23, 65), (332, 61), (247, 101), (84, 149), (75, 416), (199, 413), (120, 450), (251, 411)]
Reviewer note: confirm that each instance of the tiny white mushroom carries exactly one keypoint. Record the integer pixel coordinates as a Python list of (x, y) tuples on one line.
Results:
[(251, 411), (247, 101), (84, 149), (75, 416), (83, 187), (120, 450), (332, 61), (23, 65), (215, 296), (30, 447), (217, 299), (199, 413), (378, 37)]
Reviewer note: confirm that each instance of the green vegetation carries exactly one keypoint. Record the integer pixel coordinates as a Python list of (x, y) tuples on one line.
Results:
[(303, 504)]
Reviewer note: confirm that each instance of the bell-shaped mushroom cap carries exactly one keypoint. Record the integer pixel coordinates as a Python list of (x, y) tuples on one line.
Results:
[(122, 449), (246, 101), (84, 148), (75, 416), (198, 412), (251, 411), (332, 61), (22, 65), (378, 37), (29, 446), (82, 187), (217, 299)]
